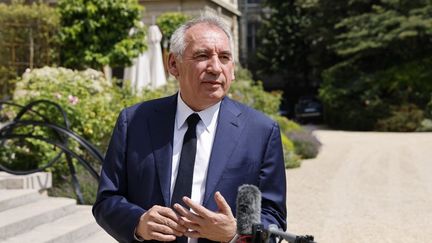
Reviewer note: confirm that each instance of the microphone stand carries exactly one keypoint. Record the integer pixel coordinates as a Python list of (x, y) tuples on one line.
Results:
[(261, 235)]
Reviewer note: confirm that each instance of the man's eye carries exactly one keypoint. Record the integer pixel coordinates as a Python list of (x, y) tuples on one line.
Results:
[(225, 58), (201, 56)]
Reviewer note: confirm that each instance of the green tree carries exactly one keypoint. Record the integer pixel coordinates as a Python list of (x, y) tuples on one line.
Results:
[(372, 58), (283, 48), (385, 59), (296, 36), (95, 33), (27, 40), (168, 22)]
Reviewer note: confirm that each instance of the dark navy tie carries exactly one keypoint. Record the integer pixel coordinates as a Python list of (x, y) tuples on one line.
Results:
[(183, 184)]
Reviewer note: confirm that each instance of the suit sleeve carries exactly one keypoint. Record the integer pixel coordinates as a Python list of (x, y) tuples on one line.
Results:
[(112, 210), (272, 182)]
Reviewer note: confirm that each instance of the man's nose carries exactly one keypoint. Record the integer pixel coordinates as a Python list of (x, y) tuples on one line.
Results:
[(214, 65)]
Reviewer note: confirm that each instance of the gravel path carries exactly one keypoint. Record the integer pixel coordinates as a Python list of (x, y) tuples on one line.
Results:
[(364, 187)]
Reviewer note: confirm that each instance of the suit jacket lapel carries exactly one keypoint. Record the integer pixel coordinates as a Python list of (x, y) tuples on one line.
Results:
[(161, 132), (226, 137)]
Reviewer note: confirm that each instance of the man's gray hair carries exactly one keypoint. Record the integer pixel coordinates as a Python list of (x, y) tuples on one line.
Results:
[(178, 43)]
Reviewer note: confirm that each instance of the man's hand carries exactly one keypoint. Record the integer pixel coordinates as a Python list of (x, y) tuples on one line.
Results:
[(203, 223), (160, 223)]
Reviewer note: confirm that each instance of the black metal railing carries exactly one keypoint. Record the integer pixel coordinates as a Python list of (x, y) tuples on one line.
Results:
[(27, 119)]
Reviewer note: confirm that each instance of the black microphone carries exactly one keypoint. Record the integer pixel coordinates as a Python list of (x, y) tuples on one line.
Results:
[(248, 212), (249, 227), (291, 238)]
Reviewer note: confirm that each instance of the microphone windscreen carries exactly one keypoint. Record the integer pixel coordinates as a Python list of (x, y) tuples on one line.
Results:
[(248, 208)]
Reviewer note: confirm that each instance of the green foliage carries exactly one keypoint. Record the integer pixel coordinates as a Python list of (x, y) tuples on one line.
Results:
[(95, 33), (292, 160), (428, 111), (7, 85), (426, 126), (404, 118), (351, 104), (253, 94), (286, 125), (21, 27), (298, 143), (385, 28), (85, 95), (307, 146), (371, 56), (384, 69), (168, 22), (91, 103), (282, 37)]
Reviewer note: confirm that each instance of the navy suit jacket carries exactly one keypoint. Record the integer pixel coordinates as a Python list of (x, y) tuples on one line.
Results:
[(136, 173)]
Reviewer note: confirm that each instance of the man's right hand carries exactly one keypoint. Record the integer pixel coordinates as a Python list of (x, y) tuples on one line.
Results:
[(161, 224)]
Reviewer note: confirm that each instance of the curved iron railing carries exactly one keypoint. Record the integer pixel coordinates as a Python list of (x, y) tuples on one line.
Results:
[(61, 134)]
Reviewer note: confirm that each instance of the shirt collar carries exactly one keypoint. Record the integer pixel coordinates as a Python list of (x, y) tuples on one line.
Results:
[(208, 116)]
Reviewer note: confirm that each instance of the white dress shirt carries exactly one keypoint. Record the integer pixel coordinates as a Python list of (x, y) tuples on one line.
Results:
[(206, 129)]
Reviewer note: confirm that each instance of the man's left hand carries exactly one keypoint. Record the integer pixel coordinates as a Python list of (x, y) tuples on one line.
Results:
[(203, 223)]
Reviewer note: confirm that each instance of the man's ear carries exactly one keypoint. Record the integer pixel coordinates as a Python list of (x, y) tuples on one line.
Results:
[(172, 65)]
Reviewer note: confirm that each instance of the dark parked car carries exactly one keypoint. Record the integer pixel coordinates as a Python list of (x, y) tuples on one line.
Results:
[(308, 108)]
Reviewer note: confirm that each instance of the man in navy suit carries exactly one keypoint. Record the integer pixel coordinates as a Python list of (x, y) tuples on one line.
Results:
[(235, 145)]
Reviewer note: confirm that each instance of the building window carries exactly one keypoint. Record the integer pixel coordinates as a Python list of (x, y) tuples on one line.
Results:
[(252, 32)]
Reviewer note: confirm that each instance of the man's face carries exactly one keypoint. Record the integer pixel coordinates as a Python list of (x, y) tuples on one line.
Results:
[(206, 69)]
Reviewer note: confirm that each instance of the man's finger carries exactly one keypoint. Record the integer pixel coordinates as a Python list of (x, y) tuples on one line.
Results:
[(175, 225), (197, 208), (187, 214), (162, 237), (191, 226), (171, 219), (169, 213), (164, 229), (222, 204)]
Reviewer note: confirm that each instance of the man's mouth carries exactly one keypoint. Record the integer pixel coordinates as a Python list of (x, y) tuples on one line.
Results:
[(212, 82)]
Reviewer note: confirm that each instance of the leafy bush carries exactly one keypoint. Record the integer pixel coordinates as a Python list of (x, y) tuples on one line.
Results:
[(351, 99), (85, 95), (286, 125), (428, 110), (303, 142), (292, 160), (425, 126), (91, 103), (306, 145), (251, 93), (404, 118)]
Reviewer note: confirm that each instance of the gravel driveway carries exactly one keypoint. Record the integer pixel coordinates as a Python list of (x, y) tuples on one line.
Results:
[(364, 187)]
